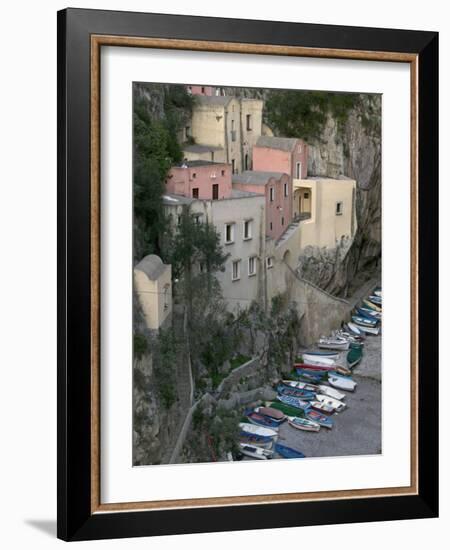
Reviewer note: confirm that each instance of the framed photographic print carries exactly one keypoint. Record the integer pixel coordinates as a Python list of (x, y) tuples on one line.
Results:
[(247, 274)]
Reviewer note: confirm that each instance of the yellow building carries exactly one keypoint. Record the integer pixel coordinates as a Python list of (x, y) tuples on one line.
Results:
[(223, 129), (153, 286), (326, 210)]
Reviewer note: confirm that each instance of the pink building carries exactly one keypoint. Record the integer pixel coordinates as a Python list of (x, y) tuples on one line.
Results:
[(287, 155), (200, 179), (277, 188), (201, 90)]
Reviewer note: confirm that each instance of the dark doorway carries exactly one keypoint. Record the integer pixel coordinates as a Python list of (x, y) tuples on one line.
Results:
[(215, 191)]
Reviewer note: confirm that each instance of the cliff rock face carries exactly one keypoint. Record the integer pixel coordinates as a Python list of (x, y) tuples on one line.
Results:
[(354, 150)]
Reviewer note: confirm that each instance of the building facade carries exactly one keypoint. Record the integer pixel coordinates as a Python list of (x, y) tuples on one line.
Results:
[(277, 190), (200, 179), (153, 286), (279, 154), (223, 129)]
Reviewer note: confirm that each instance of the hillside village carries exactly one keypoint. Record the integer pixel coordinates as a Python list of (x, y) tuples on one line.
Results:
[(224, 236), (255, 189)]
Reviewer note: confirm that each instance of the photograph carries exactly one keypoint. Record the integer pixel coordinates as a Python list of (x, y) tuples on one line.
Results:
[(257, 273)]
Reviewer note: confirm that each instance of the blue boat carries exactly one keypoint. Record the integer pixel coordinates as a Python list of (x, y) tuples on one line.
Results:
[(254, 438), (262, 420), (294, 402), (288, 452), (375, 300), (295, 392), (321, 419), (321, 353), (364, 321), (365, 314), (337, 375), (309, 376)]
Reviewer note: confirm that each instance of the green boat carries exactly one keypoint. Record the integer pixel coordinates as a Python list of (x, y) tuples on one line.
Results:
[(286, 409), (354, 356)]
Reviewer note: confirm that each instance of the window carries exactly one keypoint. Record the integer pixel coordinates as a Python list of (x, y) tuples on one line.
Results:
[(236, 270), (251, 266), (187, 132), (246, 162), (195, 192), (298, 170), (233, 164), (269, 262), (222, 172), (194, 175), (215, 191), (201, 267), (271, 194), (233, 131), (203, 89), (247, 229), (282, 221), (286, 190), (178, 220), (229, 233), (270, 225), (339, 208), (197, 218), (306, 195), (249, 122)]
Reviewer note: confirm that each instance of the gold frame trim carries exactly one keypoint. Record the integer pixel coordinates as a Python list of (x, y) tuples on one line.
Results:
[(97, 41)]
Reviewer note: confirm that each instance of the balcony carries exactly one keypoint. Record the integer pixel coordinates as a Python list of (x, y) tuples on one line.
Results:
[(302, 216)]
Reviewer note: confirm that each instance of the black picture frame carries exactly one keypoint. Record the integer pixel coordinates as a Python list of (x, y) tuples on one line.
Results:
[(75, 519)]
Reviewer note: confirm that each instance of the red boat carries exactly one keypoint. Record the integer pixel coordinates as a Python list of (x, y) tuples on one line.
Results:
[(316, 368)]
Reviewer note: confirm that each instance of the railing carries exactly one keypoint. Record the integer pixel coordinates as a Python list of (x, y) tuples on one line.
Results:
[(302, 216)]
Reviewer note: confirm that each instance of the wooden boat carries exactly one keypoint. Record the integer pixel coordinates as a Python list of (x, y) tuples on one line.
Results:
[(314, 368), (309, 376), (364, 321), (316, 360), (295, 392), (255, 452), (275, 414), (263, 421), (321, 353), (344, 371), (331, 392), (354, 329), (323, 420), (373, 331), (287, 452), (370, 305), (335, 403), (301, 385), (322, 407), (341, 382), (288, 410), (332, 343), (252, 429), (354, 356), (303, 424), (294, 402)]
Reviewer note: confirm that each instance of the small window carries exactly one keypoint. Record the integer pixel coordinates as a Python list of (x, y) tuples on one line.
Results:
[(339, 208), (282, 221), (298, 170), (251, 266), (194, 175), (269, 262), (286, 189), (203, 89), (270, 225), (222, 172), (236, 271), (187, 132), (195, 192), (198, 218), (229, 233), (272, 194), (178, 220), (201, 267), (233, 166), (249, 122), (306, 195), (247, 229)]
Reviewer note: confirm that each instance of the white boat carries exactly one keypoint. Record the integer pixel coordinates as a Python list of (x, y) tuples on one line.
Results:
[(378, 293), (257, 430), (333, 343), (374, 331), (337, 405), (320, 361), (301, 385), (255, 452), (331, 392), (354, 328), (303, 424), (346, 384)]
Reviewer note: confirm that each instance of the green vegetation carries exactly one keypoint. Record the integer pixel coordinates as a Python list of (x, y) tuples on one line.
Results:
[(239, 360), (292, 113), (139, 345), (155, 150)]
